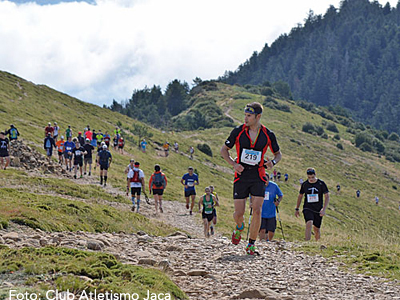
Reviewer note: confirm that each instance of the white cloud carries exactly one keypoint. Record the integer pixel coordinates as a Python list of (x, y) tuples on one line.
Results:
[(104, 51)]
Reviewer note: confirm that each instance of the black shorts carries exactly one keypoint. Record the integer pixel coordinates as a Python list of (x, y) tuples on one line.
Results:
[(310, 215), (103, 167), (209, 217), (158, 192), (4, 154), (269, 224), (214, 213), (242, 189), (136, 190), (78, 162), (60, 153), (120, 147), (67, 156), (189, 193)]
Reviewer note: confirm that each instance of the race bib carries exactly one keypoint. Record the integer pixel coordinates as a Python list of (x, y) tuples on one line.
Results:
[(312, 198), (266, 196), (250, 157), (190, 183)]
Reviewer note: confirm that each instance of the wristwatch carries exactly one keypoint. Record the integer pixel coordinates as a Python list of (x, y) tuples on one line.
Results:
[(296, 209), (273, 162)]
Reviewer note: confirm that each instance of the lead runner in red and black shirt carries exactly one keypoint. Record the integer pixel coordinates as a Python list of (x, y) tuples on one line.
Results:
[(252, 140)]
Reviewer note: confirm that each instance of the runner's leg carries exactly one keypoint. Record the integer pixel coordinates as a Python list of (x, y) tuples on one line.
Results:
[(309, 225), (317, 233), (256, 218), (240, 206)]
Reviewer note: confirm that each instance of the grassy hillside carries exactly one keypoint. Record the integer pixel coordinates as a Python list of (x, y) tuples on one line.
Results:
[(354, 228)]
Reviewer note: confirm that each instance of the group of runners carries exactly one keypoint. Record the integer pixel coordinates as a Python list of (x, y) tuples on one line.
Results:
[(77, 152), (13, 134)]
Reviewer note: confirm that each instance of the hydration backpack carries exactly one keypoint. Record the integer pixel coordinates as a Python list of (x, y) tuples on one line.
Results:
[(135, 177), (158, 180)]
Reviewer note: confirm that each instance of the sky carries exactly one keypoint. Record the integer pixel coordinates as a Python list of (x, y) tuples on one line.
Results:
[(100, 50)]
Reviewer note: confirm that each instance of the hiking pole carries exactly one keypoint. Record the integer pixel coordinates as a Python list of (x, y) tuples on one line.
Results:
[(279, 218), (248, 228), (146, 198)]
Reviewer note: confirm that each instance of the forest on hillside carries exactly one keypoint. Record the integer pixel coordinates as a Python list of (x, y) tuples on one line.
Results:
[(349, 57)]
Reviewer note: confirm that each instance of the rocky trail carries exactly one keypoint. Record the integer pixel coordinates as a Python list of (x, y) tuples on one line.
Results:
[(211, 268)]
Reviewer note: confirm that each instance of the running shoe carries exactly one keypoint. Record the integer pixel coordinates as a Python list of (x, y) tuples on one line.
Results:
[(74, 176), (81, 176), (133, 207), (190, 212), (251, 249), (89, 173), (212, 230), (161, 210), (237, 235), (187, 205)]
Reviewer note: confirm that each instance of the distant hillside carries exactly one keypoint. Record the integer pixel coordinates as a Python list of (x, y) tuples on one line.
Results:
[(348, 57)]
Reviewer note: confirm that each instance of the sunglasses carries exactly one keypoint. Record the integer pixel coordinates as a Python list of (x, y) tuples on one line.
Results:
[(310, 172), (249, 110)]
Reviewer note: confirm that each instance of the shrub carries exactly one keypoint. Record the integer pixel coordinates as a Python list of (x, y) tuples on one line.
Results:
[(332, 127), (319, 130), (308, 127), (336, 137), (324, 136), (378, 145), (266, 91), (339, 146), (361, 138), (366, 147), (205, 149), (393, 137)]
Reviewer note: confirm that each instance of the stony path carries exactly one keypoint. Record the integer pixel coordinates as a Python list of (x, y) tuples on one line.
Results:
[(215, 269)]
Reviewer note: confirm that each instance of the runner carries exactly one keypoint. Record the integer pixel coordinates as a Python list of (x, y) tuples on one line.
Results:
[(68, 146), (93, 141), (286, 177), (48, 145), (13, 133), (166, 148), (117, 132), (358, 193), (56, 130), (207, 200), (376, 200), (68, 132), (190, 180), (338, 188), (176, 147), (214, 221), (88, 134), (252, 140), (104, 159), (268, 215), (191, 151), (99, 138), (88, 158), (115, 140), (80, 138), (121, 144), (157, 183), (48, 129), (314, 190), (107, 139), (130, 166), (4, 145), (143, 145), (135, 181), (78, 153), (60, 150)]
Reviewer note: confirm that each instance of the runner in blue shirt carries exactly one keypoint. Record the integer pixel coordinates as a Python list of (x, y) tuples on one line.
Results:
[(190, 180), (268, 214), (143, 145), (69, 145)]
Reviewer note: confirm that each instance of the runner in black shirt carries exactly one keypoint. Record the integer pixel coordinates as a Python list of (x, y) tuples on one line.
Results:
[(252, 141), (4, 151), (314, 190), (78, 153), (88, 159)]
